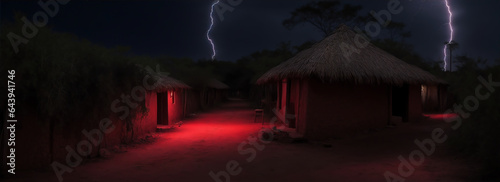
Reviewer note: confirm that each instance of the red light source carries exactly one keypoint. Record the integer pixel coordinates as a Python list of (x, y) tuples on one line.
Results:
[(441, 116)]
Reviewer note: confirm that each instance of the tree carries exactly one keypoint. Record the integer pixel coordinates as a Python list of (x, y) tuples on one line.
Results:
[(261, 61), (477, 137), (324, 15), (397, 30), (67, 83), (468, 64)]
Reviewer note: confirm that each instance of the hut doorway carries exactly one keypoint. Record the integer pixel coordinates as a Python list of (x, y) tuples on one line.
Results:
[(400, 102), (162, 101)]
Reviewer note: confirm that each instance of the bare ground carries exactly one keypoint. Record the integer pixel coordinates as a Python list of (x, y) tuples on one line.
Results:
[(209, 141)]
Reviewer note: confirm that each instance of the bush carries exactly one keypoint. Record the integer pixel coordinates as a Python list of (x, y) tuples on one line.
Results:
[(479, 136), (64, 79)]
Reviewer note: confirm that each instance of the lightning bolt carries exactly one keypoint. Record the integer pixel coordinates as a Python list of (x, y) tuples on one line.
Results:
[(210, 29), (451, 33)]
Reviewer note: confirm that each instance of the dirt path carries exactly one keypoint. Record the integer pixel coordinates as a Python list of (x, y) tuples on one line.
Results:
[(210, 141)]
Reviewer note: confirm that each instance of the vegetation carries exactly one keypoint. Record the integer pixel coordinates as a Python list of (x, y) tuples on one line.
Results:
[(478, 137), (325, 15), (66, 80), (62, 79)]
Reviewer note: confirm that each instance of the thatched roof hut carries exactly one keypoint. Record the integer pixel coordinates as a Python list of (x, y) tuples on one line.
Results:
[(164, 83), (214, 83), (329, 61), (169, 100), (344, 85)]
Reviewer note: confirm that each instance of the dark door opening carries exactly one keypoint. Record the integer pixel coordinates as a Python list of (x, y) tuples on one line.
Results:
[(400, 102), (162, 101)]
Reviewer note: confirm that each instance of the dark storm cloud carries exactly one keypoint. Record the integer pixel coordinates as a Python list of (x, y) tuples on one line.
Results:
[(177, 27)]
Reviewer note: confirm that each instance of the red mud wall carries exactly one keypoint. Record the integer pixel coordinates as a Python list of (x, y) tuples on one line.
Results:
[(341, 110), (175, 105), (293, 105), (301, 107), (283, 95)]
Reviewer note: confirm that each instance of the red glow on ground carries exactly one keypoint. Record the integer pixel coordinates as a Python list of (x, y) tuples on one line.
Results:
[(231, 124), (441, 116), (209, 140)]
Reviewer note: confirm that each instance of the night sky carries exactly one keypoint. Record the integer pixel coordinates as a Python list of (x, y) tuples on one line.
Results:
[(177, 27)]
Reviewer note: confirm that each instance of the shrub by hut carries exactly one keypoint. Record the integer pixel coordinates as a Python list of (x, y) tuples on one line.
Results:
[(332, 94)]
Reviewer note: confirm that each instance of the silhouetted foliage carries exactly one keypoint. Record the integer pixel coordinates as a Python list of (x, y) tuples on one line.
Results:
[(478, 136), (63, 79), (261, 61), (325, 15)]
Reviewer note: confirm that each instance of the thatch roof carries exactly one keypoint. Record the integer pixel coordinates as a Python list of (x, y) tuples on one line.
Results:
[(213, 83), (164, 83), (326, 60)]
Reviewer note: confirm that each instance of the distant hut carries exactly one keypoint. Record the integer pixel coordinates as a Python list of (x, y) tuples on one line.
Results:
[(332, 94), (216, 91), (170, 99), (205, 94)]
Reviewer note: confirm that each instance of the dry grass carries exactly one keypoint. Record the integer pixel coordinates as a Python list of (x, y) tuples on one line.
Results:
[(213, 83), (326, 60), (165, 83)]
